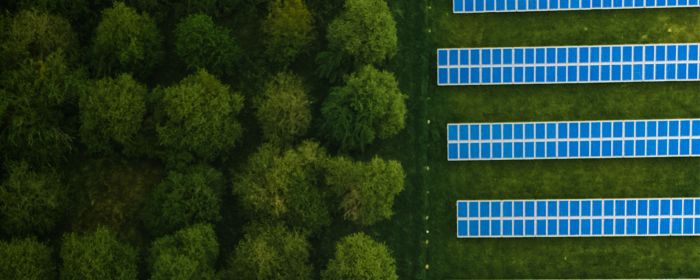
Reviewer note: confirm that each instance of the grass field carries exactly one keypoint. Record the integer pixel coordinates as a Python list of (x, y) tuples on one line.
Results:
[(426, 25)]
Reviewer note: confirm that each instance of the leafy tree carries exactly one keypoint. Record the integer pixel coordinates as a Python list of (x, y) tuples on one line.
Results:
[(202, 44), (26, 259), (284, 186), (34, 34), (38, 95), (369, 106), (189, 253), (288, 29), (183, 199), (126, 41), (270, 252), (357, 256), (97, 255), (112, 112), (367, 190), (198, 117), (283, 112), (363, 33), (30, 202)]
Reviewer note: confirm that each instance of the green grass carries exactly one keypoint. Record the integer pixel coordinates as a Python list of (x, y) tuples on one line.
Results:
[(423, 144)]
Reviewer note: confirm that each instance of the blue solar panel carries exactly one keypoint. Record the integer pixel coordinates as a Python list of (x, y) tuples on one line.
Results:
[(576, 64), (500, 6), (574, 218), (573, 140)]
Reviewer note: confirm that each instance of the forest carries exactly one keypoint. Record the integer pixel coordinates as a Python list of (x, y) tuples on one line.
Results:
[(208, 139)]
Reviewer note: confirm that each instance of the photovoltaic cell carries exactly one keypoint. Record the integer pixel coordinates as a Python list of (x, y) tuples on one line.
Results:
[(578, 217), (509, 6), (573, 140), (572, 64)]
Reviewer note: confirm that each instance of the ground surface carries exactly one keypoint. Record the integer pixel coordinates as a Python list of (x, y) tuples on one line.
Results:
[(425, 25)]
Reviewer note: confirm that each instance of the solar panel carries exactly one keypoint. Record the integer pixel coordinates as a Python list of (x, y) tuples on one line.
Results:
[(573, 140), (578, 217), (509, 6), (568, 64)]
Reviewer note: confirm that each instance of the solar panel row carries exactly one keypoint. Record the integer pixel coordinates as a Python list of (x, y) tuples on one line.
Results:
[(578, 217), (573, 64), (491, 6), (571, 140)]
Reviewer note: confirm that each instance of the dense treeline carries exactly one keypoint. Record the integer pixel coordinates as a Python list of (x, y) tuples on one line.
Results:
[(214, 139)]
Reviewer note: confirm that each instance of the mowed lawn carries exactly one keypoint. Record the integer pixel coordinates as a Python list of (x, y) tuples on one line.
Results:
[(450, 258)]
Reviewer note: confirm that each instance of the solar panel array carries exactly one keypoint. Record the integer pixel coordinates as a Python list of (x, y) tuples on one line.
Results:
[(578, 217), (573, 140), (506, 6), (572, 64)]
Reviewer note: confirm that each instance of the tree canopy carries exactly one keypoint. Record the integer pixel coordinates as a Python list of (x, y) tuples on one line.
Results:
[(189, 253), (112, 112), (202, 44), (284, 111), (284, 186), (38, 93), (367, 107), (185, 198), (97, 255), (358, 257), (365, 31), (26, 259), (35, 34), (366, 190), (197, 117), (270, 252), (288, 29), (126, 41), (30, 201)]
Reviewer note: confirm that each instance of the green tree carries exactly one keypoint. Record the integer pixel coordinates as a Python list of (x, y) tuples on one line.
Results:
[(26, 259), (97, 255), (369, 106), (39, 95), (189, 253), (284, 186), (270, 252), (30, 202), (283, 112), (197, 118), (366, 190), (184, 199), (363, 33), (288, 30), (34, 34), (126, 41), (112, 112), (359, 257), (202, 44)]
